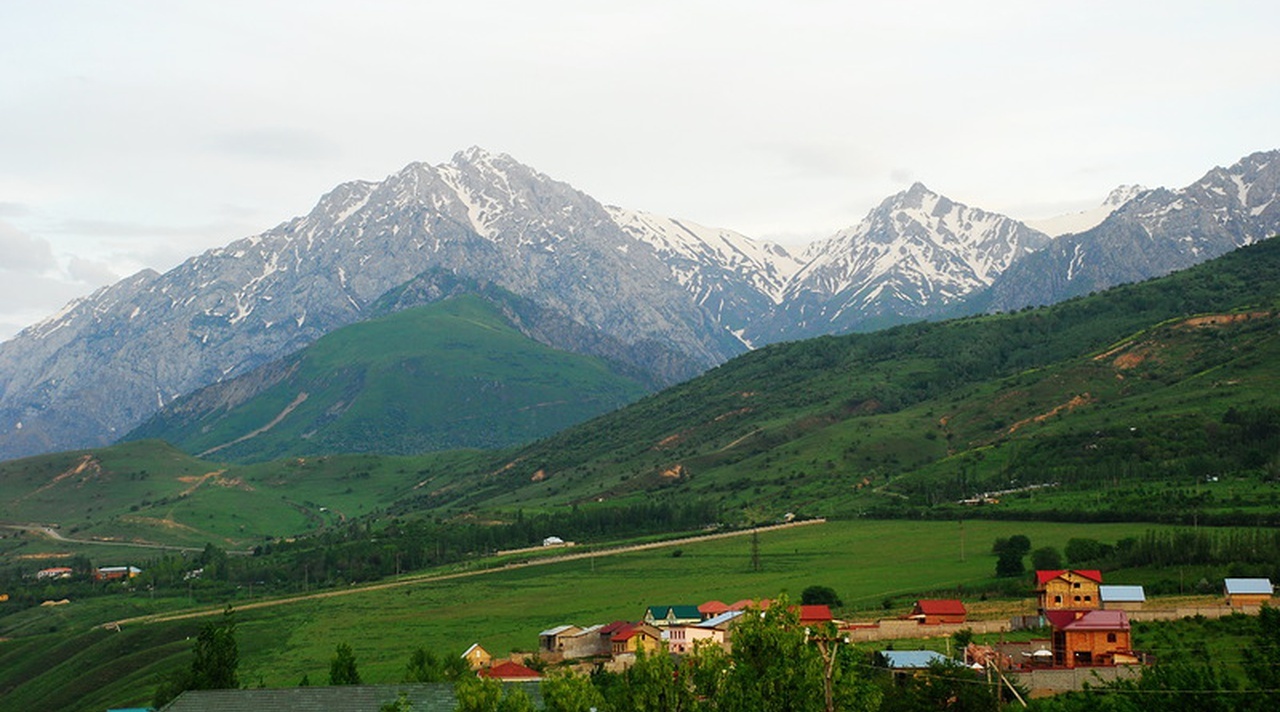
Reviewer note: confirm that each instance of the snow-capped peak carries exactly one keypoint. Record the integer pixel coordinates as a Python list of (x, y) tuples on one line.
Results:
[(1068, 223)]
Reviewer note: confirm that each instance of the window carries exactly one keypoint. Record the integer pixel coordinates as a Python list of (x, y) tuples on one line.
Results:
[(1057, 599), (1075, 585), (1111, 637)]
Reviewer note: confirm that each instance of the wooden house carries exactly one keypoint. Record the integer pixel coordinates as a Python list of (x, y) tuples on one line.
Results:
[(1090, 638), (1068, 590), (1243, 592), (477, 657), (936, 611)]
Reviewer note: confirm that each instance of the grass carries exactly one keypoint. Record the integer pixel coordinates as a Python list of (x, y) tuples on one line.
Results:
[(864, 561)]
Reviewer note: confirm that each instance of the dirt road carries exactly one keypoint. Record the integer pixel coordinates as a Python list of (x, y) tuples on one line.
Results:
[(428, 578)]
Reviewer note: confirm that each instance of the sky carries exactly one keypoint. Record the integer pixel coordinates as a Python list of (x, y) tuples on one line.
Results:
[(137, 134)]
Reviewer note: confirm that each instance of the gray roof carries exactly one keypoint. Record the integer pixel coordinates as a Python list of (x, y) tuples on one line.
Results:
[(437, 697), (558, 630), (1249, 585), (912, 659), (1121, 594), (719, 620)]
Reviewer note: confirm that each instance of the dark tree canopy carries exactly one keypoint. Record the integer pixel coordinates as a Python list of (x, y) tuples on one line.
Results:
[(820, 595)]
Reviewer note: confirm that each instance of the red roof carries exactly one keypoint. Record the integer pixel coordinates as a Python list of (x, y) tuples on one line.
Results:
[(714, 608), (815, 613), (941, 607), (1088, 620), (614, 627), (1043, 577), (507, 670)]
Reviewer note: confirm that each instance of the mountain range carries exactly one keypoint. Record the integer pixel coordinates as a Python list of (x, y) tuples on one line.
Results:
[(666, 298)]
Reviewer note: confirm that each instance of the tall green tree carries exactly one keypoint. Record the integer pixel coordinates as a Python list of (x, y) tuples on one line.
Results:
[(216, 655), (342, 668)]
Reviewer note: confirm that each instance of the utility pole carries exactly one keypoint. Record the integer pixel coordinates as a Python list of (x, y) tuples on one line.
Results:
[(827, 646), (755, 550)]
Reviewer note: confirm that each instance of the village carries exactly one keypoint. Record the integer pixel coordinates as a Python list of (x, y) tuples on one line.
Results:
[(1088, 624)]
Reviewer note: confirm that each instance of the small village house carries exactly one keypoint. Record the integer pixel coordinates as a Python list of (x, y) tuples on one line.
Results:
[(635, 637), (1091, 638), (682, 639), (1242, 592), (477, 657), (509, 671), (553, 640), (936, 611), (663, 616), (1068, 590), (815, 614), (56, 572), (115, 573), (585, 643), (1122, 598)]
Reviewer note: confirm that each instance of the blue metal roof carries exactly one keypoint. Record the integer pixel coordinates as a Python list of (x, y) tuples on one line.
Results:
[(1249, 586), (912, 659), (1121, 594)]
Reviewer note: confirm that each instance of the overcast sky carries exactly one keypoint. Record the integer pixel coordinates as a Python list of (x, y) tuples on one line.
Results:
[(137, 134)]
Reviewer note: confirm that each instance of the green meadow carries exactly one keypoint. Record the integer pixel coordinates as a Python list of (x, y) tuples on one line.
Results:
[(866, 562)]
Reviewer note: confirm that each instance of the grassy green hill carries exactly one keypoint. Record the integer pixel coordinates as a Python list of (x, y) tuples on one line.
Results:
[(1172, 379), (453, 374), (1161, 395)]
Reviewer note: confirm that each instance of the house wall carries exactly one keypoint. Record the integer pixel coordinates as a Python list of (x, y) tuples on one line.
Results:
[(1069, 591), (1098, 643), (1240, 600), (1122, 606)]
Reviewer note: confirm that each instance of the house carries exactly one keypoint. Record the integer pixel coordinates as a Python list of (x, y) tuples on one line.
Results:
[(635, 637), (711, 609), (115, 573), (1068, 590), (935, 611), (423, 697), (682, 639), (585, 643), (477, 657), (815, 614), (1122, 598), (57, 572), (553, 541), (1247, 591), (553, 640), (1090, 638), (663, 616), (508, 671)]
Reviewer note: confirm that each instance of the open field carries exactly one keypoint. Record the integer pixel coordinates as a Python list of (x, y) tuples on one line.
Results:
[(864, 561)]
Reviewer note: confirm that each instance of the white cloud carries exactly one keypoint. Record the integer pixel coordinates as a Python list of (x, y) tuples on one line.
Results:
[(134, 125)]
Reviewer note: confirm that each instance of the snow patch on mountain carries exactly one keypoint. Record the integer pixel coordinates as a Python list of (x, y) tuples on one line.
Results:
[(1059, 225)]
